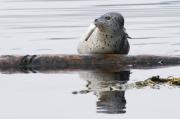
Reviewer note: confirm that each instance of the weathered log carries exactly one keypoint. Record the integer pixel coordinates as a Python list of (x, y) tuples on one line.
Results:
[(107, 62)]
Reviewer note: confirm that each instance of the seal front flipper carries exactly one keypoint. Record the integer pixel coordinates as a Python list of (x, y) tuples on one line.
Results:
[(27, 60), (26, 63), (89, 32)]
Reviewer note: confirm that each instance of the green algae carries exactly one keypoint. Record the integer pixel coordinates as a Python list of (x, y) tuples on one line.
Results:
[(154, 82)]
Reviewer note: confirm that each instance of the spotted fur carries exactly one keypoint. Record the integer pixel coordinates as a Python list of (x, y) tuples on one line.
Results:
[(109, 36)]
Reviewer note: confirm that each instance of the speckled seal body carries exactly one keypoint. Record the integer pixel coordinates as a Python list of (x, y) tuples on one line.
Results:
[(108, 36)]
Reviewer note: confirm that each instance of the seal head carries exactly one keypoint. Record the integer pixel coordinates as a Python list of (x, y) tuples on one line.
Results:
[(110, 23), (106, 35)]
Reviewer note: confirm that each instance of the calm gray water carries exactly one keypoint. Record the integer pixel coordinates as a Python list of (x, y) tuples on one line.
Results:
[(54, 27)]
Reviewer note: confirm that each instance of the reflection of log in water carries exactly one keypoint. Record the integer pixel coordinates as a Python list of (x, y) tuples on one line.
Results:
[(109, 101), (108, 62)]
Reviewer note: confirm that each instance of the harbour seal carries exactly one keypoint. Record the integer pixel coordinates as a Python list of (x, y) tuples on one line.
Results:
[(106, 35)]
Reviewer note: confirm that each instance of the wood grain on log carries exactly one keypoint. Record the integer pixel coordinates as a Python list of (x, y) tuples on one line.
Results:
[(109, 62)]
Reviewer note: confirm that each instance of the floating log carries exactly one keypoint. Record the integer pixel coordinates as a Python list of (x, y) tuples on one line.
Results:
[(107, 62)]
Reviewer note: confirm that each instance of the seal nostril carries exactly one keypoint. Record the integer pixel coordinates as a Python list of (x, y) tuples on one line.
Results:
[(95, 20)]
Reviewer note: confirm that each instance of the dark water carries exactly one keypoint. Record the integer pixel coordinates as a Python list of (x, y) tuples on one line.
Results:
[(54, 27)]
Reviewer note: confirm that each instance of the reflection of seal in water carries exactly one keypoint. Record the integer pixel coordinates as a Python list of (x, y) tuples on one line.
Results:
[(106, 35), (101, 83)]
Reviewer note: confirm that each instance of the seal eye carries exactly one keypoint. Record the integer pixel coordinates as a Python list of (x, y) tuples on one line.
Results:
[(107, 17)]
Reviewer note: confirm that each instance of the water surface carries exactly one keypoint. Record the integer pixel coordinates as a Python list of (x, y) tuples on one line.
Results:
[(54, 27)]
